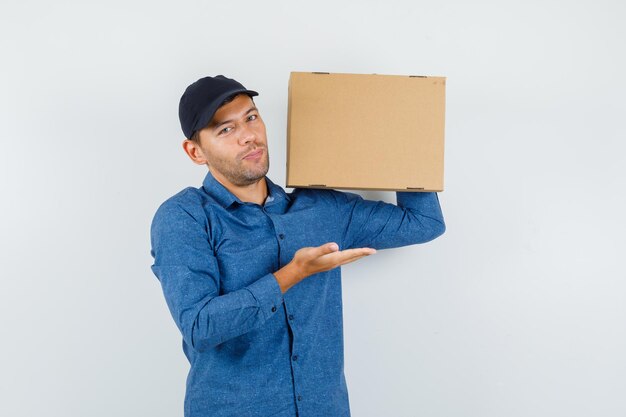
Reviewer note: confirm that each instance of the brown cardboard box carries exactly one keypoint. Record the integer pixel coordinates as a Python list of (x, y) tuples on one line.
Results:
[(365, 131)]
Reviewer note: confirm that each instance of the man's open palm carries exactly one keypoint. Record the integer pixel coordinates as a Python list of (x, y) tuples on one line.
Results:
[(312, 260)]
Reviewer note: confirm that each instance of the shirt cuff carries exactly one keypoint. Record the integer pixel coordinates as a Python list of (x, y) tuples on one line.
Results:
[(267, 293)]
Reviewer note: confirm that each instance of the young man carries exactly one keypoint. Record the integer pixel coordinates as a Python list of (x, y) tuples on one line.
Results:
[(250, 273)]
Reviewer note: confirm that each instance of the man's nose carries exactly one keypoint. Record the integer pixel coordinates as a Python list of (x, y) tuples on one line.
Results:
[(247, 135)]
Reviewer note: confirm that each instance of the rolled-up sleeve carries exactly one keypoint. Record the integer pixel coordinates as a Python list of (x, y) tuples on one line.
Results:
[(185, 264), (417, 218)]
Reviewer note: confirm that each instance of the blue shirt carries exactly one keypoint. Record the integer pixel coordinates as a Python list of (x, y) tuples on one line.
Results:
[(254, 351)]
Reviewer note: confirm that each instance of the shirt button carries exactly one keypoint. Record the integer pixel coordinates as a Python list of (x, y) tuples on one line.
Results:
[(299, 397), (273, 309), (295, 357), (281, 236), (291, 317)]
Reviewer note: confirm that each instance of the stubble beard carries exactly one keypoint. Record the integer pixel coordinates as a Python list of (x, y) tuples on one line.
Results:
[(242, 172)]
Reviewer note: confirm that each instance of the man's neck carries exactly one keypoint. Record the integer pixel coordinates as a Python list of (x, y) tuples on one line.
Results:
[(252, 193)]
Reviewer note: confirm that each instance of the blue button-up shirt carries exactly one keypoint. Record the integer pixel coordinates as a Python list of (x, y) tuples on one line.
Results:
[(254, 351)]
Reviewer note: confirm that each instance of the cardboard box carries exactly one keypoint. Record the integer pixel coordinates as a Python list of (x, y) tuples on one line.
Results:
[(365, 131)]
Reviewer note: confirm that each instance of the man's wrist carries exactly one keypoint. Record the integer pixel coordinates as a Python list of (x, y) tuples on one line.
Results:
[(288, 276)]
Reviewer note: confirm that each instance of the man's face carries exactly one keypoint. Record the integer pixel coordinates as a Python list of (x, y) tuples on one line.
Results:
[(235, 131)]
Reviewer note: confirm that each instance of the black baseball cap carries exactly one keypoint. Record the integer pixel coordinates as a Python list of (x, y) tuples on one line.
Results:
[(201, 100)]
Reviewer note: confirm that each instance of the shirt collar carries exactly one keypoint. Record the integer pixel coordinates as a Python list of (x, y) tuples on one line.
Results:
[(221, 194)]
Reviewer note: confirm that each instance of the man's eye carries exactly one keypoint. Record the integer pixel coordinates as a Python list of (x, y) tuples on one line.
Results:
[(252, 117), (225, 130)]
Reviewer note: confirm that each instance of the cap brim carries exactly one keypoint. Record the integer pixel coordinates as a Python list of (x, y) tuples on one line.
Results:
[(209, 111)]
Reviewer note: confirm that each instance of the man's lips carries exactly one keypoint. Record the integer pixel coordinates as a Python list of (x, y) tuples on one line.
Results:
[(254, 154)]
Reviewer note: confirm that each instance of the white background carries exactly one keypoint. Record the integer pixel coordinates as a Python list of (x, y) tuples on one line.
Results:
[(518, 310)]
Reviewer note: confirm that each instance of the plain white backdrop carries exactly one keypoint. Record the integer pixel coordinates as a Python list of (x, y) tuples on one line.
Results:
[(518, 310)]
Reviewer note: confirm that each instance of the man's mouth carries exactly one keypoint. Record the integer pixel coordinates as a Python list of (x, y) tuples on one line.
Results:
[(254, 154)]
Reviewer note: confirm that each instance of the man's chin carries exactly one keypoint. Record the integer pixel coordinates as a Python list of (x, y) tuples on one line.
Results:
[(252, 177)]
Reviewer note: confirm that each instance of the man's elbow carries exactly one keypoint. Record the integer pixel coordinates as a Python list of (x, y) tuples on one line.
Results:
[(435, 229), (202, 338), (204, 345), (440, 228)]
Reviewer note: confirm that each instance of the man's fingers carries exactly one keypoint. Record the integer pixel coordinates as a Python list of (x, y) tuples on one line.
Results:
[(355, 252), (349, 260), (364, 251), (331, 247), (349, 255)]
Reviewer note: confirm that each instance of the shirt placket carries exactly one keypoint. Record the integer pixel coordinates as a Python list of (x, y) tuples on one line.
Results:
[(283, 242)]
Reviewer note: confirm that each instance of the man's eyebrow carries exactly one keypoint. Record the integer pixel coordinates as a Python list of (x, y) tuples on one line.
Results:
[(215, 124)]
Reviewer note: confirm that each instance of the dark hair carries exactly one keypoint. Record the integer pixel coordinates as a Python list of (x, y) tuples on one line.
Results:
[(196, 135)]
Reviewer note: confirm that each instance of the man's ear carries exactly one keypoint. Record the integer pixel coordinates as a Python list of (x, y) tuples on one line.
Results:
[(194, 152)]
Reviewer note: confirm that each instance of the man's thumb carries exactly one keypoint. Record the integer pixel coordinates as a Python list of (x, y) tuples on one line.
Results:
[(330, 247)]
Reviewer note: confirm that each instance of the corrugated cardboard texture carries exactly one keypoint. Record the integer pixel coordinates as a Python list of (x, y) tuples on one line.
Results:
[(365, 131)]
